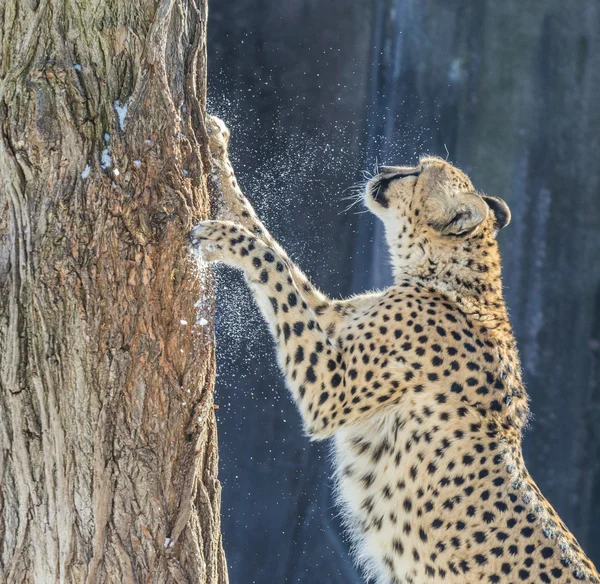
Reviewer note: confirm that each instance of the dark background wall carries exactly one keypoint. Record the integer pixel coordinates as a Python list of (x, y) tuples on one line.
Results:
[(315, 92)]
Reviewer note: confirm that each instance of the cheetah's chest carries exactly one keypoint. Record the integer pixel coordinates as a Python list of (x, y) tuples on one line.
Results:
[(379, 468)]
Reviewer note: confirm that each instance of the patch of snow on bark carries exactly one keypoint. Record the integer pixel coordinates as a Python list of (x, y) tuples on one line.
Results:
[(121, 113), (105, 158)]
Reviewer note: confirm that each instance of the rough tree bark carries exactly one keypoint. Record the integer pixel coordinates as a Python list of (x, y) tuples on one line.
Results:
[(108, 453)]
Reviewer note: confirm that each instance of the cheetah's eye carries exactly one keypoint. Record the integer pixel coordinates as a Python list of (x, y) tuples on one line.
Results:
[(452, 217), (455, 228)]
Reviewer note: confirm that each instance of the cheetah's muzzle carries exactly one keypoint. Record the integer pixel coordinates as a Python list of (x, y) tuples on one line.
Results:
[(387, 175)]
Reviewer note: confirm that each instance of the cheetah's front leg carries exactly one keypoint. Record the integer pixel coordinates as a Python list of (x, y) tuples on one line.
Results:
[(313, 365), (232, 205)]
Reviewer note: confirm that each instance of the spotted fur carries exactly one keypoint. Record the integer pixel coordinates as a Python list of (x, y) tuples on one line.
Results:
[(419, 386)]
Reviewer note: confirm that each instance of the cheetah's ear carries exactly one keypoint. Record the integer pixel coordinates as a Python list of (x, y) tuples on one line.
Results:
[(500, 209)]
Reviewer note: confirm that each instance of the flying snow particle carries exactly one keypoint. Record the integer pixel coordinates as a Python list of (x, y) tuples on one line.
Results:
[(183, 322), (116, 171), (86, 172), (77, 67), (137, 163), (202, 322), (121, 113)]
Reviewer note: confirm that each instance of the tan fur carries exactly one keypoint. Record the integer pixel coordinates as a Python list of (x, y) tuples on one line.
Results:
[(419, 385)]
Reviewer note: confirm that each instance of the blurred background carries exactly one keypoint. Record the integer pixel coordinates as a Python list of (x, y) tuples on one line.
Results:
[(315, 92)]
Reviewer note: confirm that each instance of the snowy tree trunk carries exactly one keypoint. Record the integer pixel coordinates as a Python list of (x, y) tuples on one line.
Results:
[(108, 451)]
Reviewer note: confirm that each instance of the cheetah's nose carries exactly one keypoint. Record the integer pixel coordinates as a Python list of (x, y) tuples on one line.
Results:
[(387, 169), (399, 171)]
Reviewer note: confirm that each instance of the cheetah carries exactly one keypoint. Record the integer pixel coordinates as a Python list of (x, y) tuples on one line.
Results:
[(419, 386)]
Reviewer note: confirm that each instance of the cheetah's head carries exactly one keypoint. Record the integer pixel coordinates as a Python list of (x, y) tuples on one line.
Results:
[(431, 212)]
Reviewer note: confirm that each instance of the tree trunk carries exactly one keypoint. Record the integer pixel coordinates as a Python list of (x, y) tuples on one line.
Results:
[(108, 451)]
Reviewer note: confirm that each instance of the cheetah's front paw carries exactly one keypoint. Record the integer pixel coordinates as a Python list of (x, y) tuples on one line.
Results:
[(223, 188), (218, 139), (207, 240), (221, 241)]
